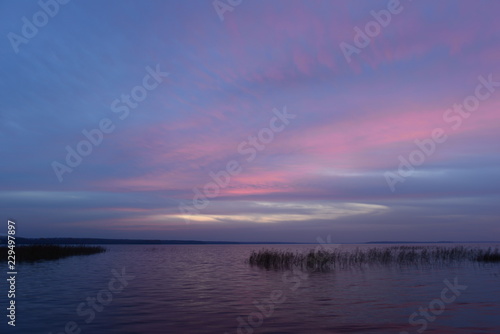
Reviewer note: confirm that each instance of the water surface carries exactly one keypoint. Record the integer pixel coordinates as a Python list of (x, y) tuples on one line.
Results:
[(210, 289)]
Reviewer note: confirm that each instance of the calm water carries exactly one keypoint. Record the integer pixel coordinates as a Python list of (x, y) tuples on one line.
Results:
[(205, 289)]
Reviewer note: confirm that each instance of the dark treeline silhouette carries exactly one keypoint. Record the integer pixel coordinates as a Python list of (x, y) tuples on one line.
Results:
[(31, 253)]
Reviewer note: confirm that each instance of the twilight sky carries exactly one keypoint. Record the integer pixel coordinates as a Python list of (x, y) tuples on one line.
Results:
[(307, 114)]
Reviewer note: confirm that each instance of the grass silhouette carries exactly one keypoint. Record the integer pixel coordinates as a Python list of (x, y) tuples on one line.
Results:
[(336, 258)]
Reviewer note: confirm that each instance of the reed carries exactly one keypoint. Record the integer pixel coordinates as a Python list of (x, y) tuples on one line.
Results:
[(32, 253), (336, 258)]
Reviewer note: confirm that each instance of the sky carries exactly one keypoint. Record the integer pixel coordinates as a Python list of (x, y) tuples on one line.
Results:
[(258, 120)]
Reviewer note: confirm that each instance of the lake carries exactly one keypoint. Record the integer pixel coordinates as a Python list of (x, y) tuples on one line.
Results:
[(210, 289)]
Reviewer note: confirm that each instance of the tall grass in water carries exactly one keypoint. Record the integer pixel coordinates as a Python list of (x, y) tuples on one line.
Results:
[(31, 253), (330, 259)]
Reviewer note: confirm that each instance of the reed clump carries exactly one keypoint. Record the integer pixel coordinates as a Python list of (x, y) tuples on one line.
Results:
[(337, 258), (32, 253)]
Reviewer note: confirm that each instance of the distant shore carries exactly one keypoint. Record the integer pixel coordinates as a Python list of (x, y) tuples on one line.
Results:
[(104, 241)]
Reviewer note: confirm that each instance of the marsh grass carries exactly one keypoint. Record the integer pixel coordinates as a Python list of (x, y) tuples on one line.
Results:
[(320, 260), (32, 253)]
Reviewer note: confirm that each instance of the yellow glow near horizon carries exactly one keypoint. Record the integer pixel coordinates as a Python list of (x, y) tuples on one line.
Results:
[(299, 211)]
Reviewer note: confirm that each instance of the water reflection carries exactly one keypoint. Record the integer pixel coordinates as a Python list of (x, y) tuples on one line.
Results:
[(206, 289)]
